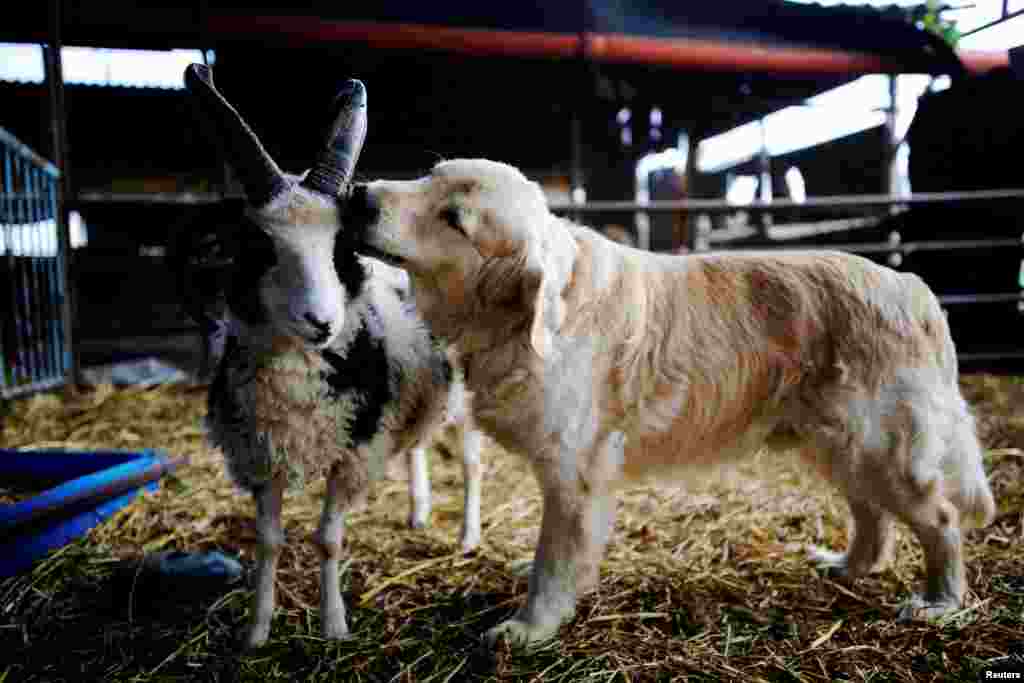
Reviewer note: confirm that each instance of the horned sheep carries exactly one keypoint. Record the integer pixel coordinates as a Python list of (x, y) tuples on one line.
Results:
[(328, 369)]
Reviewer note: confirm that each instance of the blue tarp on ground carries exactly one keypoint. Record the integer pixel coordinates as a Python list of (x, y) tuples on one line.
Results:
[(26, 535)]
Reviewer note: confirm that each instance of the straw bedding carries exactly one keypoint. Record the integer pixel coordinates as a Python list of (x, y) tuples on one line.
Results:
[(702, 582)]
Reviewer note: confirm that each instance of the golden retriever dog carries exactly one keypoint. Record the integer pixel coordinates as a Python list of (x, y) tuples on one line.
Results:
[(605, 365)]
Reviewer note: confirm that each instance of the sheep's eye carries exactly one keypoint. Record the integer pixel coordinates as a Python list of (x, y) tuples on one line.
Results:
[(450, 215)]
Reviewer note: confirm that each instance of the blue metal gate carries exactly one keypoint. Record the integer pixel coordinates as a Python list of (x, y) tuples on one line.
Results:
[(33, 287)]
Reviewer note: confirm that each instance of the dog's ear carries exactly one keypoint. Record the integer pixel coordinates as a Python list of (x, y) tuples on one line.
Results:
[(544, 305), (528, 281), (547, 272)]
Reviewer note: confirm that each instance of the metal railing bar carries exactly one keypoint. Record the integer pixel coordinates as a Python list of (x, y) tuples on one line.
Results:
[(990, 355), (876, 247), (657, 206), (23, 150), (33, 275), (31, 387), (957, 299), (827, 202)]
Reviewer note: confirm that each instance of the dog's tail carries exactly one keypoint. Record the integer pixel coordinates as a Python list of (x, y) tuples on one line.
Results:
[(962, 463), (967, 484)]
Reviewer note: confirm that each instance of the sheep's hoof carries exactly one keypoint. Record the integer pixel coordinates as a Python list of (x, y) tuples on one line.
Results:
[(419, 521), (470, 540), (257, 636), (334, 629), (922, 608)]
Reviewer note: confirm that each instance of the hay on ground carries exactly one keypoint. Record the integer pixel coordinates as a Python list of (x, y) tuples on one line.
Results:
[(702, 582)]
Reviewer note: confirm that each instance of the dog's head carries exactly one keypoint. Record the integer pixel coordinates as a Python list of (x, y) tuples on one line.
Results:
[(478, 240)]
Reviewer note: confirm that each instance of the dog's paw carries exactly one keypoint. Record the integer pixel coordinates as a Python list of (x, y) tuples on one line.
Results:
[(520, 634), (419, 519), (830, 563), (922, 608)]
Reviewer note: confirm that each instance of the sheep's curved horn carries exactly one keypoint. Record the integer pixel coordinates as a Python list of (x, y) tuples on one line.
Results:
[(260, 176), (336, 162)]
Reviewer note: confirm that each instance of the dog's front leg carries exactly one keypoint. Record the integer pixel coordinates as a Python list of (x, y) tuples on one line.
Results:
[(577, 521)]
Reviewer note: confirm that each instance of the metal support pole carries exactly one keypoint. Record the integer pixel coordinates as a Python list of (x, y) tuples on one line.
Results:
[(689, 175), (582, 92), (765, 184), (891, 143), (55, 81), (576, 163)]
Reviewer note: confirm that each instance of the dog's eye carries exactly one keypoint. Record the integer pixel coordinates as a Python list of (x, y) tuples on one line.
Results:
[(450, 215)]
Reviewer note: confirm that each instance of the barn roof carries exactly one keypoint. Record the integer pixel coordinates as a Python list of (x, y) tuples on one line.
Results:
[(710, 65), (529, 29)]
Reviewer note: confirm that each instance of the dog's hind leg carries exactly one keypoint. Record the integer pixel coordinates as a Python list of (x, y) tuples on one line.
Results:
[(870, 544), (577, 522), (896, 453), (472, 473), (419, 487), (936, 522), (953, 492)]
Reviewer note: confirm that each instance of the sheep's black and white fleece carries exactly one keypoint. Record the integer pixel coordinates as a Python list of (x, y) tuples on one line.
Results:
[(277, 407)]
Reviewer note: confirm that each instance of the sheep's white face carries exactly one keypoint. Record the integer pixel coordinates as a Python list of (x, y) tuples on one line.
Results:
[(293, 282), (301, 293)]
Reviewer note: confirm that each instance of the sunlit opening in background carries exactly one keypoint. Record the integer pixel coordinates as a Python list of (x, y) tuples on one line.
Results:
[(741, 189), (23, 63), (860, 105), (795, 186)]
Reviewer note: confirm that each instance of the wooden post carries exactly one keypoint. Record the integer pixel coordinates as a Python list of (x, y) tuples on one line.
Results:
[(55, 82)]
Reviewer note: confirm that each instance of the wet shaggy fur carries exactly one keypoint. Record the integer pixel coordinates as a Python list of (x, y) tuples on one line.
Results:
[(280, 409), (605, 365)]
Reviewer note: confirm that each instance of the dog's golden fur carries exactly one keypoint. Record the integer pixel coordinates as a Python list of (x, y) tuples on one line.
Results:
[(603, 364)]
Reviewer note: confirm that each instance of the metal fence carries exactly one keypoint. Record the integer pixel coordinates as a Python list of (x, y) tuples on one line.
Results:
[(33, 287), (892, 250)]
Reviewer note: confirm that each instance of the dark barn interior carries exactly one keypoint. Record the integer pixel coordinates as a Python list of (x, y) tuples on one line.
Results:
[(153, 573), (135, 152)]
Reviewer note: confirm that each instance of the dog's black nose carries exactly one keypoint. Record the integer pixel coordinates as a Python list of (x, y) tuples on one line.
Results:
[(361, 210)]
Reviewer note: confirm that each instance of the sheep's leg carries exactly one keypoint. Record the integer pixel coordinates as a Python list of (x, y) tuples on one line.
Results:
[(577, 522), (472, 472), (419, 487), (328, 540), (270, 538)]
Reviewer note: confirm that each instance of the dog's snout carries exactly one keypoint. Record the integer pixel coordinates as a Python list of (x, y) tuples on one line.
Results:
[(362, 209)]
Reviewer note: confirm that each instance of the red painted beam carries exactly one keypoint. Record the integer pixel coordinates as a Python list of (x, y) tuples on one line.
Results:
[(682, 53)]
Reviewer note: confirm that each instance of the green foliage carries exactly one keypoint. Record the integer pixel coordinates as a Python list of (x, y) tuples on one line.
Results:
[(929, 17)]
